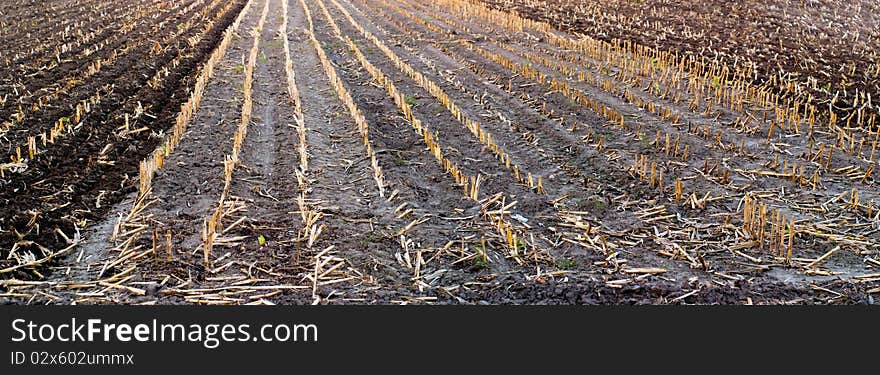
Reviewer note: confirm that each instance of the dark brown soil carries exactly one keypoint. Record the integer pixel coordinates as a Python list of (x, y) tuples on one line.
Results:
[(690, 251)]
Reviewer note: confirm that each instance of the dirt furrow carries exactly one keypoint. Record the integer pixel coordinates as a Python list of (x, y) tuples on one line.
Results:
[(184, 191)]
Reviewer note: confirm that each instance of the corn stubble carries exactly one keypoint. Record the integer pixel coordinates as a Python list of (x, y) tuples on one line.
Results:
[(710, 162)]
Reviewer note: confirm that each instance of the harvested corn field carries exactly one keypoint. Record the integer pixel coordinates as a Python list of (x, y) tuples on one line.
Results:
[(416, 152)]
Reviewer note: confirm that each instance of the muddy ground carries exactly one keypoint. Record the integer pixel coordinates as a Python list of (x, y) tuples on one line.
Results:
[(596, 233)]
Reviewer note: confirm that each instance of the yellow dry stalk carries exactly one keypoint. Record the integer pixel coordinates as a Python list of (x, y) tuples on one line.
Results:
[(854, 198), (749, 211), (293, 92), (32, 147), (668, 144), (679, 189), (792, 230), (830, 154), (762, 223), (867, 174), (310, 219), (313, 233), (475, 187), (145, 177), (155, 244), (168, 253)]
